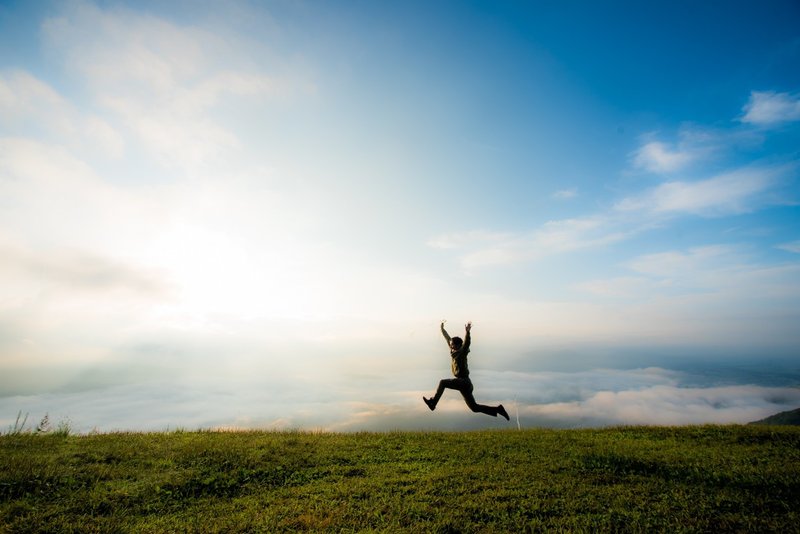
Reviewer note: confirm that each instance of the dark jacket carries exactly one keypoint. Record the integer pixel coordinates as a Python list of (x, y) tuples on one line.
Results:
[(458, 356)]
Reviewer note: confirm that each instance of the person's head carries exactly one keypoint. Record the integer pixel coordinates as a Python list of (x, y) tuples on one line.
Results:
[(456, 342)]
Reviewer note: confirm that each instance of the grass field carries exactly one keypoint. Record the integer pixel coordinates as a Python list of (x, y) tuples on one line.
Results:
[(709, 478)]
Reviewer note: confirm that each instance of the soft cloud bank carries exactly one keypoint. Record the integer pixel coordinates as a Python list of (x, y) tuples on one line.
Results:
[(669, 405), (601, 397)]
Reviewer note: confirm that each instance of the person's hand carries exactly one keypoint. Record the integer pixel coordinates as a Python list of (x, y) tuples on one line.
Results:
[(444, 321), (468, 326)]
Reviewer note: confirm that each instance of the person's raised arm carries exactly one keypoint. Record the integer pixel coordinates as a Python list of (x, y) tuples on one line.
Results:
[(444, 333), (468, 336)]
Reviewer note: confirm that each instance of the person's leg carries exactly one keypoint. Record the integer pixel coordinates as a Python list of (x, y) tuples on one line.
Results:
[(474, 406), (451, 383), (466, 392)]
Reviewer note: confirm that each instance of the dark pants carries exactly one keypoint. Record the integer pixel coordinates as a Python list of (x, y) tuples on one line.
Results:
[(464, 385)]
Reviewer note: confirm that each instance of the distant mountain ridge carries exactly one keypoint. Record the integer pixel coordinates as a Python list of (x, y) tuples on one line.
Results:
[(791, 417)]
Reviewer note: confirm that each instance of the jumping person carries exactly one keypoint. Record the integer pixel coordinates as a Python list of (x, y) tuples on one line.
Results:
[(458, 354)]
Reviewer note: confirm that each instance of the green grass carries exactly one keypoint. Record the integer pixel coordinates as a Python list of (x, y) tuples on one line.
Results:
[(710, 478)]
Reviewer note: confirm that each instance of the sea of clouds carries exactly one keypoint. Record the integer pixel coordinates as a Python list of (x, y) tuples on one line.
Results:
[(393, 401)]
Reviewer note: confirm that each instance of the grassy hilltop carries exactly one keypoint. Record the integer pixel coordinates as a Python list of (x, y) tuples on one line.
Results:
[(710, 478), (791, 417)]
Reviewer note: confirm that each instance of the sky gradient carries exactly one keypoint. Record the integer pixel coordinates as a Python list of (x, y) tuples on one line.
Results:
[(255, 214)]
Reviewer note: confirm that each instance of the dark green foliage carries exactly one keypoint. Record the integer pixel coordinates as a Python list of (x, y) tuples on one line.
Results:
[(711, 478)]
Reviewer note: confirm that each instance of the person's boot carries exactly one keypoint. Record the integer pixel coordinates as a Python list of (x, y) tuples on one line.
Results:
[(430, 402), (502, 411)]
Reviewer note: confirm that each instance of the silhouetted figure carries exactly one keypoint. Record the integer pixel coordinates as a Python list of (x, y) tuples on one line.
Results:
[(458, 354)]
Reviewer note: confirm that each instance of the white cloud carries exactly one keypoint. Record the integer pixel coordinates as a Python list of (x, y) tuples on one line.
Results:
[(711, 272), (163, 82), (485, 249), (500, 254), (620, 287), (721, 268), (75, 270), (22, 94), (51, 194), (736, 192), (30, 105), (714, 294), (153, 55), (687, 264), (465, 239), (767, 108), (566, 193), (577, 233), (695, 145), (730, 193), (659, 158), (792, 246), (481, 248)]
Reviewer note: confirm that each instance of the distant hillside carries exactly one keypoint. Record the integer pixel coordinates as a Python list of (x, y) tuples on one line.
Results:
[(791, 417)]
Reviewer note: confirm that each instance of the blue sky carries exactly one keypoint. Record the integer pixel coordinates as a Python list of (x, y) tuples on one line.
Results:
[(255, 214)]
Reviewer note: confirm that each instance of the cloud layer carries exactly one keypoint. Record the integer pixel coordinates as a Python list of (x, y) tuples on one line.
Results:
[(651, 396)]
